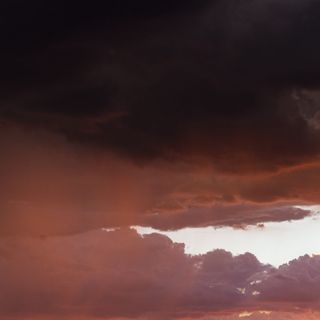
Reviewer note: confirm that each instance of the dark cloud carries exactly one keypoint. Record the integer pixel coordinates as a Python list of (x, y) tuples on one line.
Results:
[(171, 80), (120, 274), (172, 114)]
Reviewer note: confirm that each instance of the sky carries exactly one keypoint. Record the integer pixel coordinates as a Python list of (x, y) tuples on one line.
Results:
[(274, 243), (159, 159)]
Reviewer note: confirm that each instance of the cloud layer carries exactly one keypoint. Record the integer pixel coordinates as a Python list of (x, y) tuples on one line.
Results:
[(120, 274), (155, 113), (169, 115), (50, 186), (217, 82)]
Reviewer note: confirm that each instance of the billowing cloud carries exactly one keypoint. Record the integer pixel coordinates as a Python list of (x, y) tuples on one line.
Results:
[(121, 274), (297, 281)]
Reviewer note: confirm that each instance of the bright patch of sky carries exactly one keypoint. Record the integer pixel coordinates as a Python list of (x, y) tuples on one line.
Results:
[(276, 243)]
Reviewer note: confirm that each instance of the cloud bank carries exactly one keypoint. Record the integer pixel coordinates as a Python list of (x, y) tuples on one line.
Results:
[(49, 187), (233, 84), (121, 274), (169, 115)]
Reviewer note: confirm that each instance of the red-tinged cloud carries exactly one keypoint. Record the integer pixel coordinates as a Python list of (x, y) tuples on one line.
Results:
[(50, 186), (119, 274)]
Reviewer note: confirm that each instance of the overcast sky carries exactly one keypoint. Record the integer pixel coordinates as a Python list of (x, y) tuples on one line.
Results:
[(199, 120)]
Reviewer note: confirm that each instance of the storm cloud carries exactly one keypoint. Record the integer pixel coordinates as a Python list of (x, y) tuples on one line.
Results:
[(220, 82), (168, 114)]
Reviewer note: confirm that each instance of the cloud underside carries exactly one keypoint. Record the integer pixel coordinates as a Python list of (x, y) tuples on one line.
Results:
[(119, 274), (49, 187), (168, 115)]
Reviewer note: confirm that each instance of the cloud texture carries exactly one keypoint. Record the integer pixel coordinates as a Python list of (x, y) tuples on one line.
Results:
[(218, 82), (121, 274), (50, 186), (160, 113), (169, 115)]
